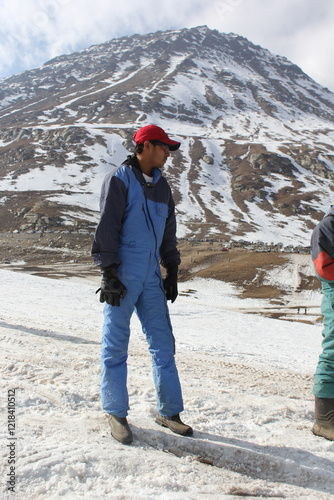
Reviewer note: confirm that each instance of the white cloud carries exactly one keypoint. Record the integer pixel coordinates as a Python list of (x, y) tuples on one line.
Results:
[(301, 30), (35, 31), (313, 49)]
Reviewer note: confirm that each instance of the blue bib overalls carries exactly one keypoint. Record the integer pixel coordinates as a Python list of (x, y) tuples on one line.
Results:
[(136, 230)]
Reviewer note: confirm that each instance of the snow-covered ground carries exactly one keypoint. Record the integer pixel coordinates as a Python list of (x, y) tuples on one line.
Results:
[(246, 379)]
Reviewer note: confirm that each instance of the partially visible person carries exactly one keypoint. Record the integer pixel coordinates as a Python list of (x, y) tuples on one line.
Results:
[(322, 246), (137, 232)]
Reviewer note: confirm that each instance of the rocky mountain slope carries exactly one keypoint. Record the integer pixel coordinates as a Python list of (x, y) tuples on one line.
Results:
[(257, 155)]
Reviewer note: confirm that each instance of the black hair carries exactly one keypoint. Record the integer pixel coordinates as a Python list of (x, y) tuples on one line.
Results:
[(139, 149)]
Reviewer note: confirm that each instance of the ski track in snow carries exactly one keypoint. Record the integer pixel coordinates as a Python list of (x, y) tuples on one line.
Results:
[(252, 418)]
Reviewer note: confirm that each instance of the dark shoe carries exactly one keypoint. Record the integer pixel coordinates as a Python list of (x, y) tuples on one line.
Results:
[(175, 424), (324, 418), (120, 429)]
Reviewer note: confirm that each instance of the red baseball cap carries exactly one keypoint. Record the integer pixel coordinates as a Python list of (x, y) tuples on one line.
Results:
[(155, 133)]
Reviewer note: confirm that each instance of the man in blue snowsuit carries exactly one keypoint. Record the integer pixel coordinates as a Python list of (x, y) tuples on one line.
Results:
[(322, 245), (137, 232)]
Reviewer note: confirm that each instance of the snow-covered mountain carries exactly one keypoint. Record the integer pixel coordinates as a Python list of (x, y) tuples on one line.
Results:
[(257, 156)]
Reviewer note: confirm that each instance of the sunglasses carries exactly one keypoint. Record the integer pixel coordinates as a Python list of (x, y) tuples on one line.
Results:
[(164, 146)]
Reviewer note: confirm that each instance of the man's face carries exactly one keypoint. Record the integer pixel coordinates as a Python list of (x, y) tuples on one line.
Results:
[(159, 154)]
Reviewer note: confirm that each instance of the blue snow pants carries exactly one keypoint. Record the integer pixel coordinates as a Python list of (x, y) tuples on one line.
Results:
[(140, 273), (324, 374)]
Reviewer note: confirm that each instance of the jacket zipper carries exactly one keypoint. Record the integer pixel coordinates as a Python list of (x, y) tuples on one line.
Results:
[(156, 244), (143, 209), (157, 260)]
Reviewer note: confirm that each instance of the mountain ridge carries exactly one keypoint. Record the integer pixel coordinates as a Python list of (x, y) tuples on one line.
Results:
[(257, 156)]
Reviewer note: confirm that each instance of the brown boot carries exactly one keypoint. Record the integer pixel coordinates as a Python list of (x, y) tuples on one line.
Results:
[(175, 424), (324, 418), (120, 429)]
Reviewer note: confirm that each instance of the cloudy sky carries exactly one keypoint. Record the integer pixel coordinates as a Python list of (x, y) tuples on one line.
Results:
[(34, 31)]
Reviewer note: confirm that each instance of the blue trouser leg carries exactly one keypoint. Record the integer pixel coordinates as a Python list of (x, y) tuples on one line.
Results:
[(114, 354), (324, 374), (152, 311)]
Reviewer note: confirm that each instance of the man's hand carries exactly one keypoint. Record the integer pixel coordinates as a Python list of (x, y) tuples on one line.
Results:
[(170, 282), (112, 289)]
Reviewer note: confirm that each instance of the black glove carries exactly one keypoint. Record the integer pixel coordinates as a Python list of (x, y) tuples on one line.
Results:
[(170, 282), (112, 289)]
